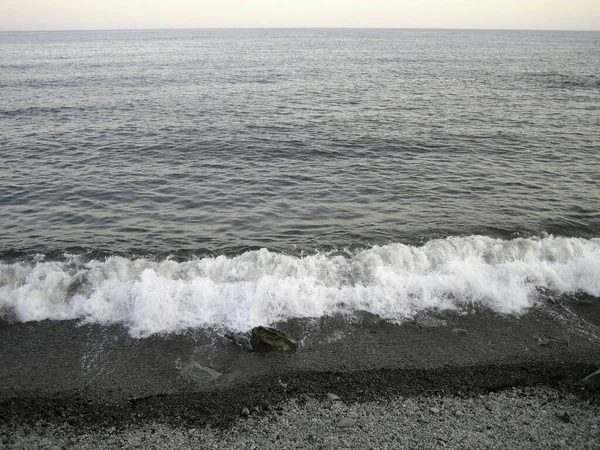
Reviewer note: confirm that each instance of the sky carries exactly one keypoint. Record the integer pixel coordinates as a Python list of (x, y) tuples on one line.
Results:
[(144, 14)]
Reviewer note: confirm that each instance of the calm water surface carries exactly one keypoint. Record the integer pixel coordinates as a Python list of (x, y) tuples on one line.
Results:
[(163, 141)]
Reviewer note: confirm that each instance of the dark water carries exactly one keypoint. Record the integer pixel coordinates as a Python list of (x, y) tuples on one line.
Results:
[(167, 180), (223, 140)]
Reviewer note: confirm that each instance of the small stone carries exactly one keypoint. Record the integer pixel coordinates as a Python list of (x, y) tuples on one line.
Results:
[(283, 385), (346, 423), (543, 342), (196, 373), (245, 412), (332, 397), (434, 410), (241, 340), (459, 413), (564, 416), (255, 409)]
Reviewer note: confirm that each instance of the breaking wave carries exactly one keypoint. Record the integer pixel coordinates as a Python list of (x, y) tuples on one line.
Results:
[(262, 287)]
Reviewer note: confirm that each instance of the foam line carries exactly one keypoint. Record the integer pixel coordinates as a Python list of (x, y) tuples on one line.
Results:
[(262, 287)]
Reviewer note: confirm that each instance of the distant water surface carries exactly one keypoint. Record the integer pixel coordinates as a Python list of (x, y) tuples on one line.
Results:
[(201, 143), (202, 139)]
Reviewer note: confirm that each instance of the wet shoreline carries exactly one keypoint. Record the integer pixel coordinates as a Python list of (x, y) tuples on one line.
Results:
[(94, 377)]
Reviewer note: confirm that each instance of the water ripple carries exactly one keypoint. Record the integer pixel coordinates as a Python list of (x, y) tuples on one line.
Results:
[(172, 141)]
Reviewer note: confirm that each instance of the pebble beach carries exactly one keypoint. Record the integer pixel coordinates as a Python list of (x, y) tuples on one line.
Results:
[(514, 418)]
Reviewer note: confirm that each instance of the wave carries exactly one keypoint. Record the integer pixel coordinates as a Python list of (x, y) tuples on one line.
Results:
[(567, 81), (262, 287), (40, 111)]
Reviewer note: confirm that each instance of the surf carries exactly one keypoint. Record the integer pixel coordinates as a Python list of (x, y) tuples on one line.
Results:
[(262, 287)]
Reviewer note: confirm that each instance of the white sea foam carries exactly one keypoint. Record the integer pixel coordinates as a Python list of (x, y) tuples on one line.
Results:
[(262, 287)]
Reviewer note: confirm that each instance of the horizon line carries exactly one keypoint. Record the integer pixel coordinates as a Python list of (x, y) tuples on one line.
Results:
[(290, 28)]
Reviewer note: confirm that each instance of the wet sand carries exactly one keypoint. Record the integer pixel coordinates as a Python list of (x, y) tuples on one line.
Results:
[(88, 379)]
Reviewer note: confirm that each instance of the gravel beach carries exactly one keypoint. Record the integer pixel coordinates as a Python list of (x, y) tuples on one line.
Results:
[(514, 418)]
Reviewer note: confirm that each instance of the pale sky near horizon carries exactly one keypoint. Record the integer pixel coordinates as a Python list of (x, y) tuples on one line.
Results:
[(133, 14)]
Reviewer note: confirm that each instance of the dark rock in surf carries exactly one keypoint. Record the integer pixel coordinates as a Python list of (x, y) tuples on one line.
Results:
[(370, 319), (265, 339)]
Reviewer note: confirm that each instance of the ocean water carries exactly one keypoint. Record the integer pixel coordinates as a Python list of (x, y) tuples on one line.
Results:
[(175, 179)]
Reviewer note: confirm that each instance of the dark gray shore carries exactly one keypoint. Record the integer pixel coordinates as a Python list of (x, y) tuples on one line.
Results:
[(97, 381)]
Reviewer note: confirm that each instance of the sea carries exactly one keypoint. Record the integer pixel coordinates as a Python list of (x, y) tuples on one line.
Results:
[(220, 179)]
